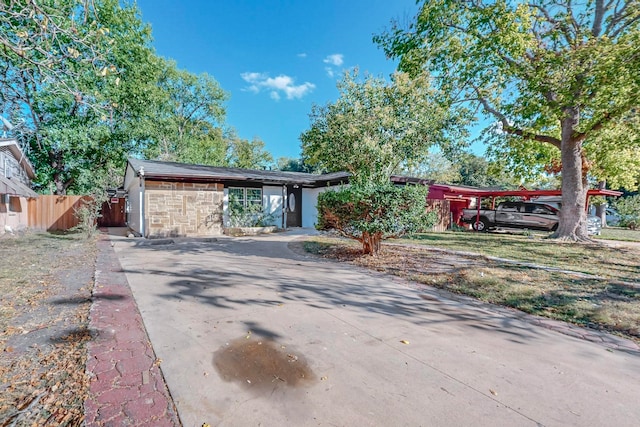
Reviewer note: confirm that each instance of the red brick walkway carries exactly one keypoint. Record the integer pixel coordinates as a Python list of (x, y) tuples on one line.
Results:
[(127, 386)]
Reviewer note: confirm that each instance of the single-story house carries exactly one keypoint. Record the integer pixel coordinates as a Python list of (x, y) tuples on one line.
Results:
[(176, 199), (16, 173)]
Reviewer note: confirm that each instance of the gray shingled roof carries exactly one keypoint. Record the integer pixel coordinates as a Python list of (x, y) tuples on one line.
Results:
[(158, 169)]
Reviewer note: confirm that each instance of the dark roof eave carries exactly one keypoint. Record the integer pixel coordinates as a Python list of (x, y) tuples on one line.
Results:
[(212, 179)]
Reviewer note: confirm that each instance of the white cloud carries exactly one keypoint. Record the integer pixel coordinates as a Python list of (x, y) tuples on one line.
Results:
[(336, 59), (276, 85), (252, 76), (329, 71), (302, 55)]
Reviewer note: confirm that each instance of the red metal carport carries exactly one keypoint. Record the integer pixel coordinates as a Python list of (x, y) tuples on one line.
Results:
[(460, 197)]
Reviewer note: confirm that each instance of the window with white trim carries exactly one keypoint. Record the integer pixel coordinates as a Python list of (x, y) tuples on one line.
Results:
[(245, 196)]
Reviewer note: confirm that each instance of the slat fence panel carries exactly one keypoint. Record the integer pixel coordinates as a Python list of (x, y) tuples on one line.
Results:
[(54, 213)]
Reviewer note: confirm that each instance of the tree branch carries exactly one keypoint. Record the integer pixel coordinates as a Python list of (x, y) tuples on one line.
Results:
[(618, 16), (510, 129), (564, 29), (606, 119), (596, 29)]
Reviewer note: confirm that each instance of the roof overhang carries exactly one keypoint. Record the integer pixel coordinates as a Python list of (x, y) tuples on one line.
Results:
[(176, 172), (15, 188)]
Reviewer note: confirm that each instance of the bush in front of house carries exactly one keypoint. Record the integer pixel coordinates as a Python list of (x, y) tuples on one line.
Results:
[(251, 215), (370, 213)]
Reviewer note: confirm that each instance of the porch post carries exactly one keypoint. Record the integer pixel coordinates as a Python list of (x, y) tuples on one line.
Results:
[(284, 206), (143, 227)]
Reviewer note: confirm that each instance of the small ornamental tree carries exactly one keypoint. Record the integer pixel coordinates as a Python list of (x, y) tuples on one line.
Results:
[(372, 212)]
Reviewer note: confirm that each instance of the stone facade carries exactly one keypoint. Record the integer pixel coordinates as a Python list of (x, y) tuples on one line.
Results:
[(183, 208)]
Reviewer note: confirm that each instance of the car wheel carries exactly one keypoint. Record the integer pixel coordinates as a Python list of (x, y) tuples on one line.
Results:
[(480, 225)]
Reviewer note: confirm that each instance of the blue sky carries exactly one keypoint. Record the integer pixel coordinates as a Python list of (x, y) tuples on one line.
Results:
[(275, 58)]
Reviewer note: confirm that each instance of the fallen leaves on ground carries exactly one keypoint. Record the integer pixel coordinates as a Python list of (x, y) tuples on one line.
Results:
[(45, 288)]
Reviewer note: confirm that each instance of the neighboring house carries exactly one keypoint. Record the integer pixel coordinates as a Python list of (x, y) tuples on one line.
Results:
[(16, 173), (176, 199)]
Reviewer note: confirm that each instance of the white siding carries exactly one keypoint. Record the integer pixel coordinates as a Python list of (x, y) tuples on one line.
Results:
[(135, 211), (272, 203), (310, 204), (225, 208)]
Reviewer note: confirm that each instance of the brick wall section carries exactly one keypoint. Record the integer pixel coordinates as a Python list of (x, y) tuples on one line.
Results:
[(183, 208)]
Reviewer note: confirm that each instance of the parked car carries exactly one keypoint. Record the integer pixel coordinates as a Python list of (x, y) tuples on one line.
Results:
[(594, 225), (611, 215), (523, 215), (534, 216)]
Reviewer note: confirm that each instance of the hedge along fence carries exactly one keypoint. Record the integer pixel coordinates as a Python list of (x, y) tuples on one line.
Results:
[(54, 213)]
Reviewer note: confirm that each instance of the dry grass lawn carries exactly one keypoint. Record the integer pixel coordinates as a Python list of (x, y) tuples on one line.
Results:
[(45, 293)]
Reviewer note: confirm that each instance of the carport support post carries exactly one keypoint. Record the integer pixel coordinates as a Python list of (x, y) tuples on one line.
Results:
[(284, 206), (478, 212)]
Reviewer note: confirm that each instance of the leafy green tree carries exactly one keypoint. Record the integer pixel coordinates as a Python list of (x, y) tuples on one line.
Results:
[(376, 127), (80, 119), (476, 171), (248, 154), (435, 167), (552, 74), (88, 90), (187, 126), (371, 212), (289, 164), (210, 148), (41, 41)]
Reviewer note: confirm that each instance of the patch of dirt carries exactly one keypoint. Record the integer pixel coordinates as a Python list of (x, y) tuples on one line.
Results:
[(261, 364), (46, 282), (394, 259)]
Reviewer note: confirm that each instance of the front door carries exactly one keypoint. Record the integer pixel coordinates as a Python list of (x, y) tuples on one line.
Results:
[(294, 206)]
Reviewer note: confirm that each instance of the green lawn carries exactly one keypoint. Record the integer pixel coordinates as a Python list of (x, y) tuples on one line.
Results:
[(600, 259), (622, 234)]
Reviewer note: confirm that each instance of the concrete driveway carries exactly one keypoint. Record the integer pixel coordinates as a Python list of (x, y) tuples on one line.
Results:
[(250, 333)]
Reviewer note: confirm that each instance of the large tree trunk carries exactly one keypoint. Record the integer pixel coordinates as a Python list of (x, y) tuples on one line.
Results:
[(573, 216), (60, 187)]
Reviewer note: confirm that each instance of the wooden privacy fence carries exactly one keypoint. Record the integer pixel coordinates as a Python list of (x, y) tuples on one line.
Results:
[(443, 212), (53, 213)]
